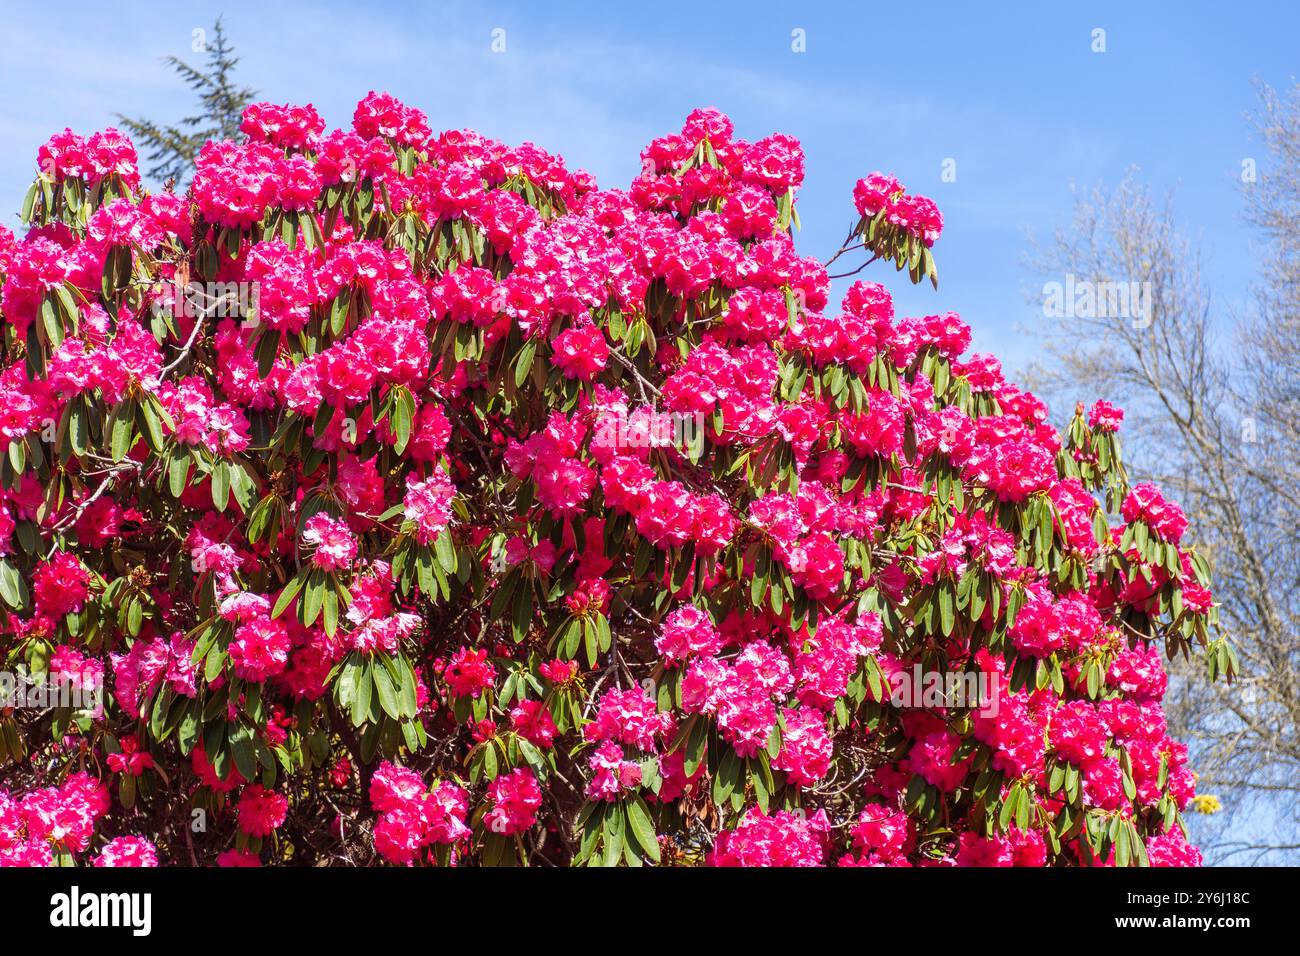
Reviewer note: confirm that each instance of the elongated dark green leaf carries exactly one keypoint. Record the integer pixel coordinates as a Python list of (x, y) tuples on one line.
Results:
[(406, 685), (215, 663), (242, 750), (78, 429), (946, 618), (361, 695), (121, 430), (330, 608), (615, 825), (387, 691), (313, 598), (1008, 808), (642, 827), (150, 425), (220, 485), (12, 588), (178, 470), (291, 589)]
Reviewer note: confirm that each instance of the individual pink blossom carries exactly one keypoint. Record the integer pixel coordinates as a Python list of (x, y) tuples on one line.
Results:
[(533, 721), (611, 775), (260, 649), (1105, 417), (261, 811), (335, 545), (127, 851), (468, 673), (1145, 503), (686, 632), (630, 717), (782, 839), (580, 352), (130, 759), (515, 798), (805, 753), (428, 504)]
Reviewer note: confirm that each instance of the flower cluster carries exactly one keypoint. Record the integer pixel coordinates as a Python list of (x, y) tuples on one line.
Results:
[(515, 798), (579, 506), (51, 820), (412, 817), (261, 811), (880, 192), (782, 839), (1145, 503), (881, 837), (127, 851)]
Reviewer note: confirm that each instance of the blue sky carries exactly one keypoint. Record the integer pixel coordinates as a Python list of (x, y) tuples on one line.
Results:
[(1015, 96)]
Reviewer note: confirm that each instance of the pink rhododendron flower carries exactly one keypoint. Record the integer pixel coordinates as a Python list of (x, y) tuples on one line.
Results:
[(515, 798), (335, 545), (261, 811), (1146, 504), (428, 504), (130, 759), (260, 649), (127, 851), (468, 673), (581, 352), (782, 839)]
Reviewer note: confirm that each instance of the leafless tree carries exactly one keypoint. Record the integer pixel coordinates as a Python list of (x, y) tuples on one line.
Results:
[(1213, 402)]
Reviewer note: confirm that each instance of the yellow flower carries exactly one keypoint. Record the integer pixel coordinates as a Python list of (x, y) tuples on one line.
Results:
[(1205, 803)]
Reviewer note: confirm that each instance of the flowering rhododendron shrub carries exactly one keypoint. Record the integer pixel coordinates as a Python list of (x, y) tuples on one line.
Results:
[(405, 497)]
